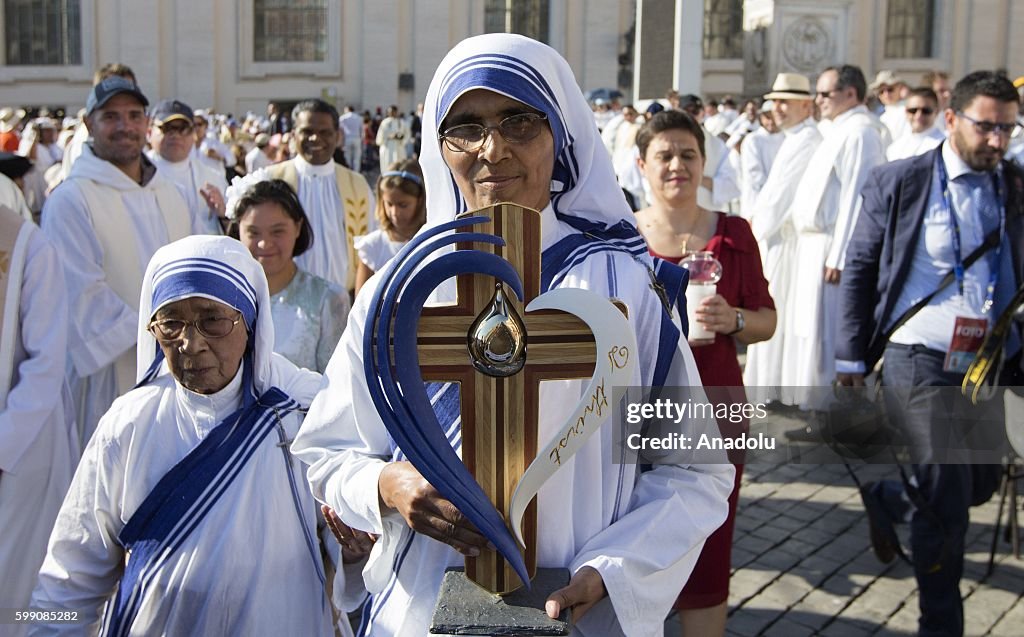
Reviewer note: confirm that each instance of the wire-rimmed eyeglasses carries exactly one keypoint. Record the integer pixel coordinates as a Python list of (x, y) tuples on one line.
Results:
[(167, 330), (515, 129)]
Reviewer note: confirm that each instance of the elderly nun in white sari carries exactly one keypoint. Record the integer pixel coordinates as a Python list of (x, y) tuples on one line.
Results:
[(189, 474), (630, 539)]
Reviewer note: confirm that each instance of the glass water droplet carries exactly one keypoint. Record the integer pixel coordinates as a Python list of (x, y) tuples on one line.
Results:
[(497, 338)]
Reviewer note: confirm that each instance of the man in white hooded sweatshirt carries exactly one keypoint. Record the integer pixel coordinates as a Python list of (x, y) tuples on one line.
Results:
[(106, 220)]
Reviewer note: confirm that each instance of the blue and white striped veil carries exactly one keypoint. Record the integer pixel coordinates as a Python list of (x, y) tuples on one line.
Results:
[(583, 184), (217, 268)]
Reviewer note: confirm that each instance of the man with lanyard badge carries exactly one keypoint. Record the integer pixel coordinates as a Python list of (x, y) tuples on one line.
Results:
[(922, 218)]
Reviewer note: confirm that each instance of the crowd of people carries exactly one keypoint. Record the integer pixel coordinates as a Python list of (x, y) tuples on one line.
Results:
[(182, 396)]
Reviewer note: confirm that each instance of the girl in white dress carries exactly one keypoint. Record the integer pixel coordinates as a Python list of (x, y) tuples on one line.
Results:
[(309, 312), (401, 210)]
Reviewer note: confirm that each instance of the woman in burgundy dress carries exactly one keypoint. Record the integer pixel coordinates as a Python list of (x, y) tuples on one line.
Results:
[(672, 158)]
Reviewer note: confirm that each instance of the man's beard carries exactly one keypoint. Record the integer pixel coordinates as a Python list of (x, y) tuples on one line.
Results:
[(981, 159), (117, 155)]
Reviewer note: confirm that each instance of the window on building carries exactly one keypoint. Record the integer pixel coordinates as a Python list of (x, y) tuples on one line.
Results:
[(42, 32), (290, 30), (908, 28), (525, 17), (723, 29)]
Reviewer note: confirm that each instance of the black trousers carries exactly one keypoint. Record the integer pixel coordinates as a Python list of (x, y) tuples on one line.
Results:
[(949, 440)]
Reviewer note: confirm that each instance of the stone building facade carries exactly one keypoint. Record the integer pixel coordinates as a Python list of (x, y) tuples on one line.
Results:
[(236, 55)]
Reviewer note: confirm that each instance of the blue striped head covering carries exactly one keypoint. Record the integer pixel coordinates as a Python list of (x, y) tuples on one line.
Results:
[(583, 183), (216, 268)]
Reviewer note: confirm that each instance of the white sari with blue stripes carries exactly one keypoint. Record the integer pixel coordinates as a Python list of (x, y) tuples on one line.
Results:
[(187, 514), (641, 532)]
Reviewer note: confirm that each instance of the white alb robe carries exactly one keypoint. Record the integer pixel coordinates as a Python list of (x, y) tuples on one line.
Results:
[(190, 176), (38, 441), (392, 135), (644, 557), (895, 119), (318, 192), (231, 576), (914, 144), (256, 159), (758, 151), (103, 325), (772, 225), (35, 179), (72, 151), (824, 213), (723, 175), (212, 142)]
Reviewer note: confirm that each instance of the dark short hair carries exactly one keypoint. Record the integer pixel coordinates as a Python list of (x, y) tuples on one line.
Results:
[(669, 120), (986, 83), (925, 92), (850, 75), (279, 192), (316, 106)]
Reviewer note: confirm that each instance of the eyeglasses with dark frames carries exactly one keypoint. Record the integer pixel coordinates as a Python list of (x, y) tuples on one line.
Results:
[(177, 128), (169, 330), (987, 128), (827, 95), (921, 109), (515, 129)]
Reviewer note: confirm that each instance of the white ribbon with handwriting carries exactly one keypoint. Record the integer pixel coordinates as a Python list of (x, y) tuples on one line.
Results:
[(616, 362)]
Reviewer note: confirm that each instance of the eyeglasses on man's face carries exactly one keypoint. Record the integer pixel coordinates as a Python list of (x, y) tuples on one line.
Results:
[(827, 95), (924, 110), (169, 330), (987, 128), (176, 128), (515, 129)]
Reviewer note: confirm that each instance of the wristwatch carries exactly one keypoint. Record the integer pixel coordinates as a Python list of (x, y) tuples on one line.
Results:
[(740, 323)]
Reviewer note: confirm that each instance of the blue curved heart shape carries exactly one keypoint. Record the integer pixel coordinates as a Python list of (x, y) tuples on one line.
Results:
[(407, 414)]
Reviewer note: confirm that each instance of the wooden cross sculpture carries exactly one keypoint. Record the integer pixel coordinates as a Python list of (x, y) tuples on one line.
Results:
[(499, 414)]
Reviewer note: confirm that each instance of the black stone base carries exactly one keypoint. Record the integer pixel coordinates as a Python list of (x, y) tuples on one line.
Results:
[(463, 608)]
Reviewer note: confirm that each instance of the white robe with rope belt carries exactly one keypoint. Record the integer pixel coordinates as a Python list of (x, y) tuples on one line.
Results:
[(825, 211), (772, 224)]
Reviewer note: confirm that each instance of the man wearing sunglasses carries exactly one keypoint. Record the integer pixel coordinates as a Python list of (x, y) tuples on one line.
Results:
[(922, 109), (171, 138), (824, 211), (921, 218)]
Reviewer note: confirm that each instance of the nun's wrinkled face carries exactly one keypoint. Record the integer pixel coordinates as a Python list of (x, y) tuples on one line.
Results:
[(203, 341), (509, 165)]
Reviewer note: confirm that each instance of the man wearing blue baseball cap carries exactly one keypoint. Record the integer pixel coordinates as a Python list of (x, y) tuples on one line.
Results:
[(171, 140), (107, 219)]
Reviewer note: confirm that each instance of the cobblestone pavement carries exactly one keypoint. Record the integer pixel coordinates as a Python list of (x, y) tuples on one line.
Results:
[(802, 562)]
